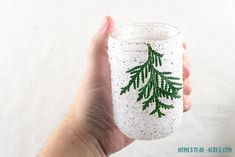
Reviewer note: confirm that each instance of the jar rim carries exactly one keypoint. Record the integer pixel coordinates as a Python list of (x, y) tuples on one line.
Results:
[(114, 33)]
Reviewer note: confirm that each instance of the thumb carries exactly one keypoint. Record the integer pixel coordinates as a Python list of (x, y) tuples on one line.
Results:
[(98, 47)]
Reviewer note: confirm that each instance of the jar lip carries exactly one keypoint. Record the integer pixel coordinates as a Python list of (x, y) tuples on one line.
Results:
[(142, 24)]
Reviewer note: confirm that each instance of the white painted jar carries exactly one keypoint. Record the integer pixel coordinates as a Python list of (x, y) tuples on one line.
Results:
[(153, 52)]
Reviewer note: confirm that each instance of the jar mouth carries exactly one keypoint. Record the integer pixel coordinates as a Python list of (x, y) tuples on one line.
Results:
[(144, 32)]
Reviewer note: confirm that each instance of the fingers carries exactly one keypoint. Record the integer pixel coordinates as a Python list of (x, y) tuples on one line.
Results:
[(186, 64), (187, 84), (186, 71), (187, 89)]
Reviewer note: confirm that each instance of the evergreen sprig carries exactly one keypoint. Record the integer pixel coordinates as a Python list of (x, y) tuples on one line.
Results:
[(159, 84)]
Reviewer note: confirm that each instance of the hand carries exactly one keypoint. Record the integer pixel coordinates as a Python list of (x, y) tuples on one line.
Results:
[(95, 93), (90, 117)]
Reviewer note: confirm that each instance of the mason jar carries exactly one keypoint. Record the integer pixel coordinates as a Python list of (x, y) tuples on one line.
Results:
[(146, 62)]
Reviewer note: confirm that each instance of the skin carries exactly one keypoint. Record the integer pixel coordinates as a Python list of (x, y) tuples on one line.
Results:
[(88, 128)]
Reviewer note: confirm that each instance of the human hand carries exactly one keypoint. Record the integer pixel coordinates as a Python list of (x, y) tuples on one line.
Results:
[(95, 93), (90, 117)]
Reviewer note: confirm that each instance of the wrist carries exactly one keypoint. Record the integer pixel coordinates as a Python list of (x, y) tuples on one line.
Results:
[(71, 140), (84, 143)]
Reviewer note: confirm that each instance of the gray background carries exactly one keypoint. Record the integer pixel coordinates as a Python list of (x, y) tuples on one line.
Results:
[(42, 56)]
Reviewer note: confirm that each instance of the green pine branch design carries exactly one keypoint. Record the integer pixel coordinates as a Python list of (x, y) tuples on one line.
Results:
[(158, 85)]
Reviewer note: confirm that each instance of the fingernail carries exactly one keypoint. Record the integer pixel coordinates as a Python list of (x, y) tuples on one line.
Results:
[(103, 24)]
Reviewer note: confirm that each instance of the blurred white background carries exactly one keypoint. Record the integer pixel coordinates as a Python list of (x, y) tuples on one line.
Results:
[(42, 57)]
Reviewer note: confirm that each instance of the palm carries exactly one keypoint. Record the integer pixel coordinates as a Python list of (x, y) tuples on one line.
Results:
[(97, 83)]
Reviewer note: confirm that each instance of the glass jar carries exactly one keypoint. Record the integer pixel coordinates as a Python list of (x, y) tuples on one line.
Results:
[(146, 76)]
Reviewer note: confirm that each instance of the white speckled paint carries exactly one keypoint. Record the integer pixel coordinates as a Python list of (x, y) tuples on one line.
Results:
[(127, 49), (34, 96)]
